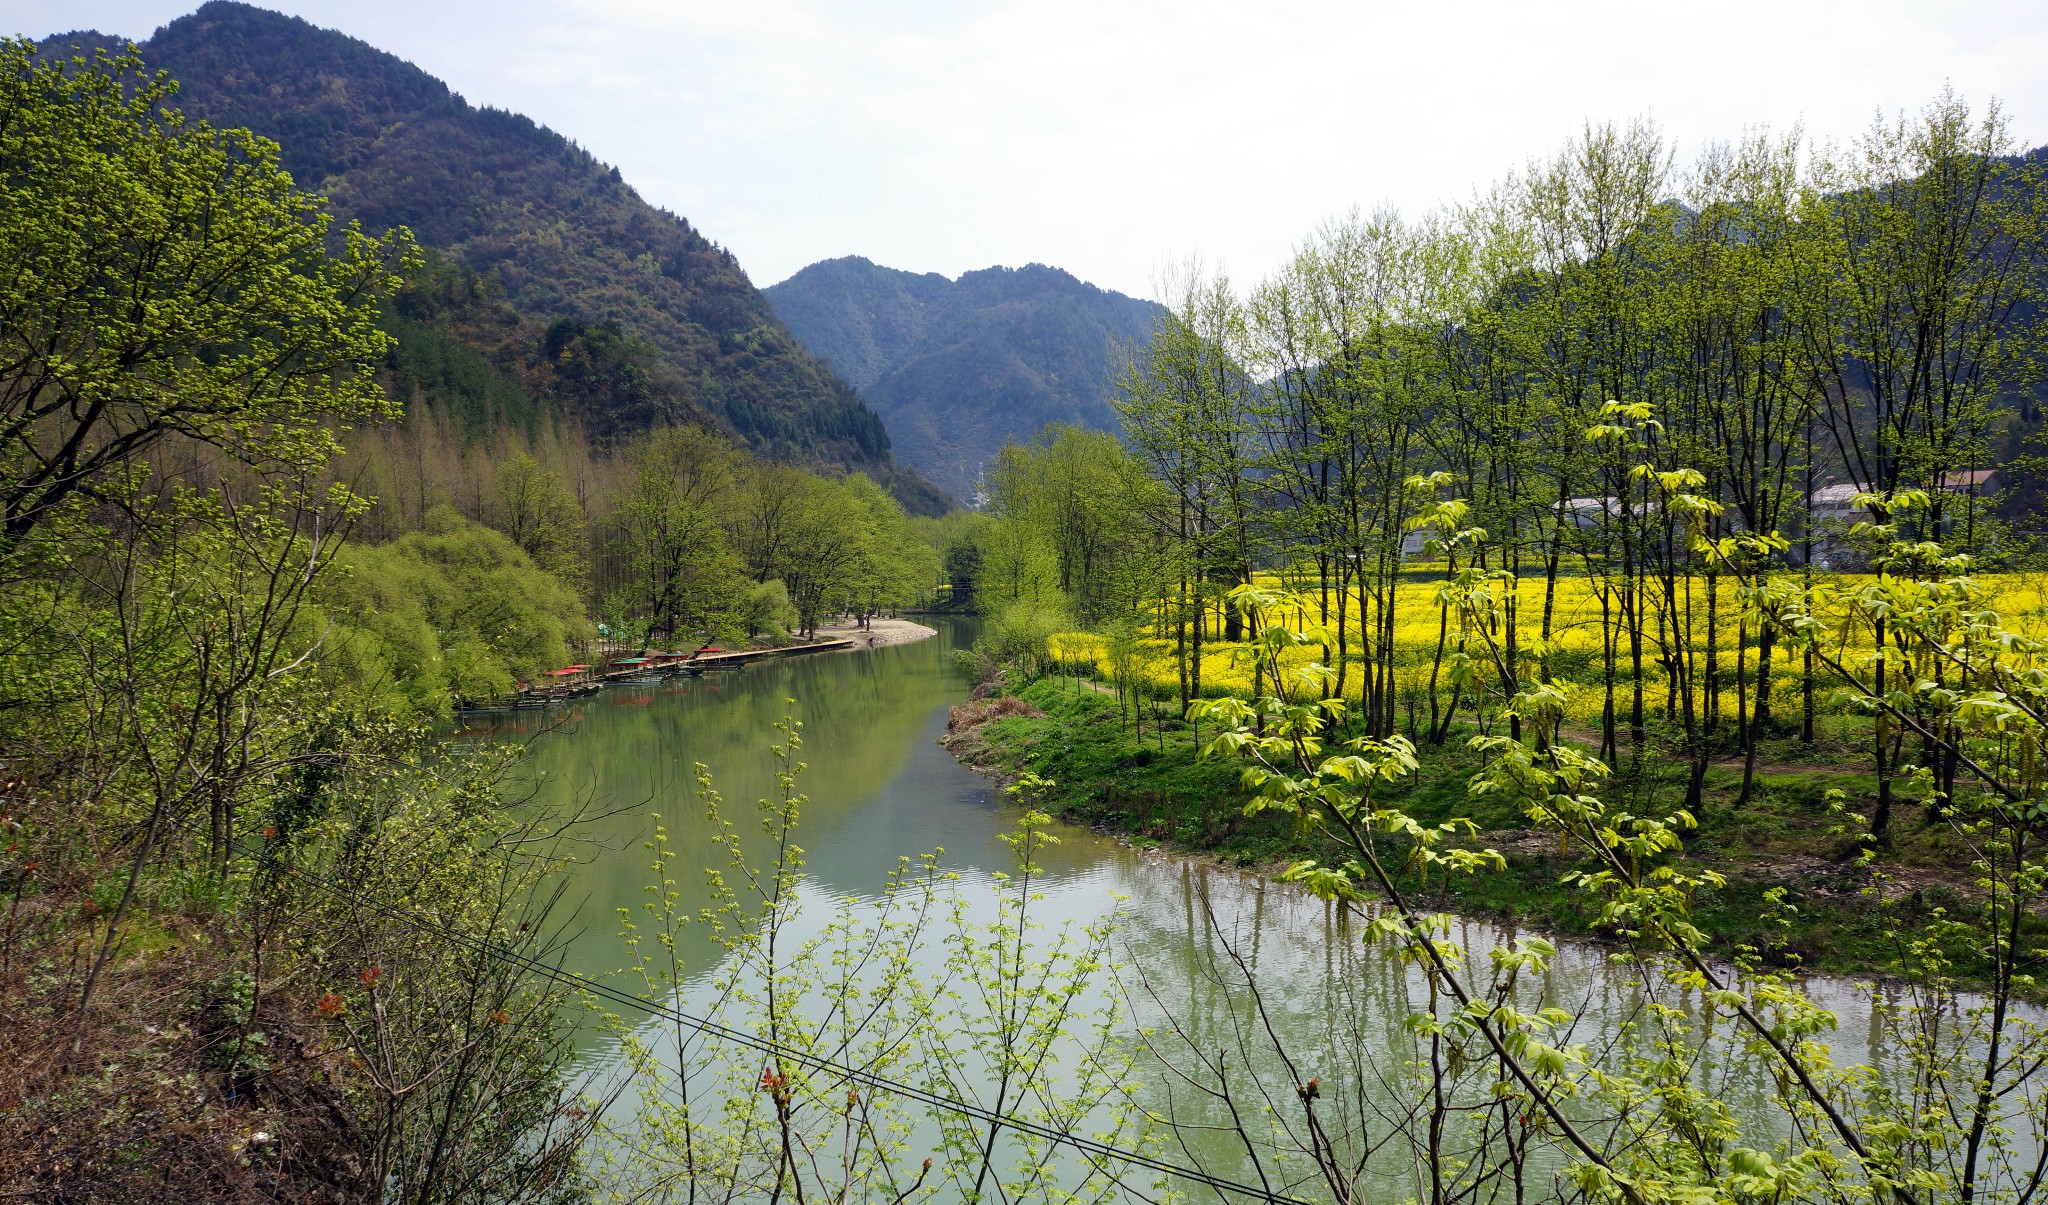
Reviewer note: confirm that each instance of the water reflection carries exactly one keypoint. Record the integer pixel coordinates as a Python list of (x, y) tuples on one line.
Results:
[(1191, 937)]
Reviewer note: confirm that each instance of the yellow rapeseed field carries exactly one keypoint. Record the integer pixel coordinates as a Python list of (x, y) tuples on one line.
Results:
[(2020, 598)]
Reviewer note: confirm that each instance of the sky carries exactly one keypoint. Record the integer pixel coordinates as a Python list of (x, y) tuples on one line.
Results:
[(1117, 138)]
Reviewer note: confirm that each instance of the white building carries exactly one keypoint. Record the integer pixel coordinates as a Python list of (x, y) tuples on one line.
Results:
[(1832, 510)]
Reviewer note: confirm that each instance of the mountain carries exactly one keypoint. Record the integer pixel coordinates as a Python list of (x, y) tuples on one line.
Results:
[(546, 227), (958, 367)]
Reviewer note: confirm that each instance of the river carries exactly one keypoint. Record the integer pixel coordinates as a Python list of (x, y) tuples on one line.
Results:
[(881, 788)]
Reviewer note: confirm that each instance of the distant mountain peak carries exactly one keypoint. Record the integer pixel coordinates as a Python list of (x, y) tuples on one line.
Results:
[(956, 367)]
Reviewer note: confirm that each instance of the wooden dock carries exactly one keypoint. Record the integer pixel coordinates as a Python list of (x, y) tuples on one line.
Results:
[(645, 669), (734, 660)]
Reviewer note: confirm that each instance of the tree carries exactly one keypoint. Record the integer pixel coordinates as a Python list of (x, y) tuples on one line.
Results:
[(1343, 337), (453, 612), (829, 552), (177, 343), (763, 517), (160, 279), (539, 514), (1932, 233), (1083, 499), (1508, 1084), (963, 568), (1740, 387), (1186, 412), (900, 568), (684, 576)]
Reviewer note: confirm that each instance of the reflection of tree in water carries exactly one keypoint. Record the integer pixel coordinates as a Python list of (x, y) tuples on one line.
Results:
[(626, 755), (1192, 939)]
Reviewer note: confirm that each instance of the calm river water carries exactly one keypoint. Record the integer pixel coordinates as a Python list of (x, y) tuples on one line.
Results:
[(880, 788)]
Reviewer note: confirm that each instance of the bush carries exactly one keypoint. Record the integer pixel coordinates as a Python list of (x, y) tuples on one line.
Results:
[(1019, 632), (457, 611)]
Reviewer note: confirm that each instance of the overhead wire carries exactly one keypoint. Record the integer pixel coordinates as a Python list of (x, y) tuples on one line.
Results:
[(1086, 1146)]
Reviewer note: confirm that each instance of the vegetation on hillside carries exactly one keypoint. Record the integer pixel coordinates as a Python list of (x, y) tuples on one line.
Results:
[(557, 234), (185, 1013), (265, 936)]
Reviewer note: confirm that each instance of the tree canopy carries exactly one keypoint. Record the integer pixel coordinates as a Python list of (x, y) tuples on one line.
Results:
[(159, 277)]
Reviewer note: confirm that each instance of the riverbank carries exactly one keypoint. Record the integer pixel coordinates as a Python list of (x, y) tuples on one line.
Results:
[(1846, 915), (879, 633)]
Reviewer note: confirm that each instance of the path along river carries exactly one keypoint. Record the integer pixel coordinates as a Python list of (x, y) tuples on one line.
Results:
[(880, 788)]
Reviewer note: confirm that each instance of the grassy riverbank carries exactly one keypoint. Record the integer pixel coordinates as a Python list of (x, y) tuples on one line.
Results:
[(1843, 915)]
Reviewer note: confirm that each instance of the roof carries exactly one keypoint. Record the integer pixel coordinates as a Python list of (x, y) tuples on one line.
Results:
[(1971, 480)]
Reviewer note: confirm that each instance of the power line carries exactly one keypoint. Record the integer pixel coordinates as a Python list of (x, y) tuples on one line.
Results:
[(1084, 1145)]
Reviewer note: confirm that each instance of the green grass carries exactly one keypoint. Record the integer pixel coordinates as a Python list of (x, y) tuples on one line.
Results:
[(1156, 791)]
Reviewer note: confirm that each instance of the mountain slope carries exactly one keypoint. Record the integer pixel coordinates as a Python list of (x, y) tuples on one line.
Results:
[(560, 233), (958, 367)]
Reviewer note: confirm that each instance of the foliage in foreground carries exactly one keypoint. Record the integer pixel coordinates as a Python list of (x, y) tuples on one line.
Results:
[(1513, 1090), (221, 850), (959, 992)]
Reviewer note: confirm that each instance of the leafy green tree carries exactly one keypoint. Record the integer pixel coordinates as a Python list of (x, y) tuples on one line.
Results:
[(1186, 408), (162, 279), (1084, 498), (901, 567), (539, 514), (1015, 563), (762, 517), (668, 526), (178, 342), (830, 557), (1742, 259), (1932, 228), (454, 612), (1338, 333), (963, 566), (1942, 1125)]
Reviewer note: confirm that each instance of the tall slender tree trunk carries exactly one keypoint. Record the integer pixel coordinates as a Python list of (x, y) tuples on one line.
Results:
[(1711, 702), (1881, 819), (1760, 714)]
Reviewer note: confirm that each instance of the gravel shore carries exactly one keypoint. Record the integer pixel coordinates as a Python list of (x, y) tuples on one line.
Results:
[(883, 631)]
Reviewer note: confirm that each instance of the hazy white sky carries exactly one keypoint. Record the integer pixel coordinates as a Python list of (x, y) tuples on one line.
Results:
[(1109, 137)]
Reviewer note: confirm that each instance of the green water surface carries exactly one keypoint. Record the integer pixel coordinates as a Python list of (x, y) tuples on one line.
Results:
[(881, 788)]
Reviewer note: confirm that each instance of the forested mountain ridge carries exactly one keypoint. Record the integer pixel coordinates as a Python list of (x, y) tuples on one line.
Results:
[(956, 368), (557, 233)]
